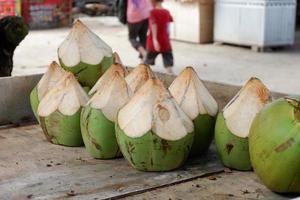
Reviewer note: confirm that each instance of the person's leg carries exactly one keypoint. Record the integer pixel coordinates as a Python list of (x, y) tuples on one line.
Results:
[(150, 58), (143, 33), (134, 29), (142, 36), (133, 34), (168, 61)]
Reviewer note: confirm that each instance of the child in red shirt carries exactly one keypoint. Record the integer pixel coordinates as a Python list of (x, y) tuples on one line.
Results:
[(158, 41)]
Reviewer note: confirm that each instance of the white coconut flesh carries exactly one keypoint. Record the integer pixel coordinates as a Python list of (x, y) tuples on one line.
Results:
[(107, 77), (153, 108), (242, 109), (192, 95), (49, 79), (112, 96), (67, 97), (138, 77), (82, 45)]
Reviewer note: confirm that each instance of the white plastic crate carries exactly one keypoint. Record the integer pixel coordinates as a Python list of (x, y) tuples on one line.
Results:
[(261, 23)]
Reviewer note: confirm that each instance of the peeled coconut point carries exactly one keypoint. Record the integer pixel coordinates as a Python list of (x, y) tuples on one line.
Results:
[(99, 116), (106, 78), (274, 144), (59, 112), (85, 55), (153, 133), (117, 59), (47, 82), (138, 77), (233, 124), (196, 101)]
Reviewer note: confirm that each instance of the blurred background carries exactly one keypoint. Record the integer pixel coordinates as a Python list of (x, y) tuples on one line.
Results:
[(225, 40)]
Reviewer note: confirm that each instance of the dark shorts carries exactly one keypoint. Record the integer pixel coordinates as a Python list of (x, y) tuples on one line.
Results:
[(138, 33), (168, 59)]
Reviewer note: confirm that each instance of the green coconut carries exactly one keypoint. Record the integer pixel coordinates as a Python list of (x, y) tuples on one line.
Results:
[(59, 112), (138, 77), (98, 118), (53, 74), (196, 101), (34, 102), (233, 124), (274, 144), (61, 129), (85, 55), (153, 133)]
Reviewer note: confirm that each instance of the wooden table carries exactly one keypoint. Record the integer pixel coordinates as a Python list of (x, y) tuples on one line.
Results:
[(32, 168)]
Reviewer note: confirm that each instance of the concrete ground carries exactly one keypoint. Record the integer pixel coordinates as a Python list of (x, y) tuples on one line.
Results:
[(279, 69)]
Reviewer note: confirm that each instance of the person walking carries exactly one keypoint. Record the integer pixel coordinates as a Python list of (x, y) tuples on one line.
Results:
[(158, 41), (137, 19)]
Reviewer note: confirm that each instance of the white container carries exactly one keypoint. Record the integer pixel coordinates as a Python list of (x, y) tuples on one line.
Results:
[(260, 23), (193, 20)]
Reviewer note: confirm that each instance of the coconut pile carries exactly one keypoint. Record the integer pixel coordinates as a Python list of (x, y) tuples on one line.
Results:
[(90, 99)]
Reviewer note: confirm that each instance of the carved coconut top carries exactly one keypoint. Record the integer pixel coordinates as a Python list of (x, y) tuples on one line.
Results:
[(242, 109), (153, 108), (82, 45), (139, 76), (106, 77), (111, 92), (67, 96), (192, 95), (53, 74)]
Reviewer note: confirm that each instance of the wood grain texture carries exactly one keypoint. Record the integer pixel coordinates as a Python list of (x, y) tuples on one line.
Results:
[(233, 186), (32, 168), (29, 165)]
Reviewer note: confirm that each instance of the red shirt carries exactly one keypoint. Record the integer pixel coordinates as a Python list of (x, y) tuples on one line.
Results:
[(161, 17)]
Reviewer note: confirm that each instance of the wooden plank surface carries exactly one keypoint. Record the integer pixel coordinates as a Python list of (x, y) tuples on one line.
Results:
[(232, 186), (32, 167)]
